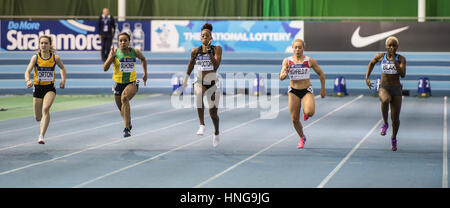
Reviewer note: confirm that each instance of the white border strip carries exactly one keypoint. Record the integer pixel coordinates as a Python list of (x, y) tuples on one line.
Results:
[(444, 152)]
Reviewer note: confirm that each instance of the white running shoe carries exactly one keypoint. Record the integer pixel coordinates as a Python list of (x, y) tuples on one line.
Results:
[(201, 130), (216, 140), (41, 140)]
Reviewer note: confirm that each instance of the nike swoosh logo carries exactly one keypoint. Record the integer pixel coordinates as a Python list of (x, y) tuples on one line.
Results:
[(359, 42)]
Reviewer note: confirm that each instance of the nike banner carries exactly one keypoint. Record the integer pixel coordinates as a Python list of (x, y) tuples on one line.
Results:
[(371, 36)]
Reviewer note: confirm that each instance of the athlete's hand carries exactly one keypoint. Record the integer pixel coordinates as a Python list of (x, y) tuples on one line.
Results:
[(29, 84), (144, 78), (284, 73), (209, 44), (184, 83), (369, 84), (323, 93), (62, 84), (113, 51)]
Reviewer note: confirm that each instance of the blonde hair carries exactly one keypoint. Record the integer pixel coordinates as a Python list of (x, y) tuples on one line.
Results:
[(298, 40), (392, 38)]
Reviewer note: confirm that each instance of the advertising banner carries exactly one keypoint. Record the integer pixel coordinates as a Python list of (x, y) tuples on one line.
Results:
[(232, 36), (139, 31), (371, 36), (67, 35)]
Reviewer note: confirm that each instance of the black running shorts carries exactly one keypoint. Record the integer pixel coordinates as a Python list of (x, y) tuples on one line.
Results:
[(39, 91)]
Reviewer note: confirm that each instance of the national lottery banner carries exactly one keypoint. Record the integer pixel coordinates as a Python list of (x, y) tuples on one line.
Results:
[(67, 35), (232, 36)]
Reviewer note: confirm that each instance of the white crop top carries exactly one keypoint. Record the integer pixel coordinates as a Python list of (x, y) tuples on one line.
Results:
[(299, 71)]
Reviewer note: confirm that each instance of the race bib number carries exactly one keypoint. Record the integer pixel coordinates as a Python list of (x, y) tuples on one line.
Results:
[(298, 72), (204, 63), (388, 67), (46, 75), (127, 64)]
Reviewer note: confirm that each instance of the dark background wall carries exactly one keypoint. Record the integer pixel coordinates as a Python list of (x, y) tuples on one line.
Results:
[(232, 8)]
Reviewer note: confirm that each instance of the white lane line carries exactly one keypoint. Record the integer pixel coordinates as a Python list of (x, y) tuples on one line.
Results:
[(339, 166), (116, 140), (270, 146), (444, 154), (89, 129), (98, 127), (167, 152), (56, 122), (162, 154)]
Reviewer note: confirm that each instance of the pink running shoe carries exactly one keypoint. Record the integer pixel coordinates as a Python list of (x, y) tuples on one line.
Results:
[(383, 129), (301, 143), (305, 117), (394, 144)]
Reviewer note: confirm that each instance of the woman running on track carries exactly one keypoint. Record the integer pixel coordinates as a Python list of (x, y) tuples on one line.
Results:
[(207, 59), (298, 67), (44, 91), (393, 66), (124, 76)]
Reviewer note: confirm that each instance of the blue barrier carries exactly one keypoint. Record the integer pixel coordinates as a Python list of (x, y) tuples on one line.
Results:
[(340, 88), (424, 87)]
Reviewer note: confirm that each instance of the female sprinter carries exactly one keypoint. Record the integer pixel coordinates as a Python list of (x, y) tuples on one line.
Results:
[(207, 59), (300, 92), (44, 91), (124, 76), (393, 66)]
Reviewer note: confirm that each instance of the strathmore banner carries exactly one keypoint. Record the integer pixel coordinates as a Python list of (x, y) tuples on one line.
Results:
[(67, 35)]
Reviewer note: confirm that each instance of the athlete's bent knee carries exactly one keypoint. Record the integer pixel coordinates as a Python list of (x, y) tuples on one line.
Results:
[(385, 101), (46, 110), (124, 99), (309, 113)]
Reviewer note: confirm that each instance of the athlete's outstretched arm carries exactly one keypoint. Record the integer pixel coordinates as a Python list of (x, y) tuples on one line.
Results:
[(29, 83), (284, 69), (319, 72), (190, 66), (110, 59), (62, 71), (372, 63), (192, 61), (144, 65)]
